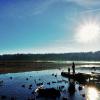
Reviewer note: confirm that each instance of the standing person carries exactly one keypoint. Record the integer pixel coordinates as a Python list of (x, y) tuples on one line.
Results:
[(69, 74), (69, 71), (73, 68)]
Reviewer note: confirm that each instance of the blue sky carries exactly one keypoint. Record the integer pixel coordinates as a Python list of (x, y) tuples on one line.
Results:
[(45, 26)]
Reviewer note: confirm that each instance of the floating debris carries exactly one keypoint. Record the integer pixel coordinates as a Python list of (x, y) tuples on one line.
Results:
[(48, 83), (30, 86), (33, 92), (38, 84), (11, 78), (27, 79), (53, 74), (23, 85), (54, 82)]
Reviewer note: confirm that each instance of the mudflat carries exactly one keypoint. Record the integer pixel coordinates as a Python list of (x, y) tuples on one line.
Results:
[(22, 66)]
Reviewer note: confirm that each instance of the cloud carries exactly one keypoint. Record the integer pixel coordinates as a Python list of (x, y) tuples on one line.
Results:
[(90, 11), (86, 3), (43, 7)]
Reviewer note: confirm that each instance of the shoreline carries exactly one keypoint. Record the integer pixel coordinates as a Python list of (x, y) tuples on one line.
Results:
[(24, 66), (13, 67)]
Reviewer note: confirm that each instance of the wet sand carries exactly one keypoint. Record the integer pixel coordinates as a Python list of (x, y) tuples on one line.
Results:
[(22, 66)]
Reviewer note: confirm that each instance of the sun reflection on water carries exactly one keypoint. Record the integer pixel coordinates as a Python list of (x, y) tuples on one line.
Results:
[(92, 93)]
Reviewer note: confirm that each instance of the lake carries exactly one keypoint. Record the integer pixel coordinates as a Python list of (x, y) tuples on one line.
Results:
[(16, 86)]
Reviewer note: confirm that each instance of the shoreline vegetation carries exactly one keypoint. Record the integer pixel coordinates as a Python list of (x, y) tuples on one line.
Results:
[(78, 56), (23, 66)]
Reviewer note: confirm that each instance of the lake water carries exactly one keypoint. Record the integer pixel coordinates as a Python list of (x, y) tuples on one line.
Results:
[(16, 85)]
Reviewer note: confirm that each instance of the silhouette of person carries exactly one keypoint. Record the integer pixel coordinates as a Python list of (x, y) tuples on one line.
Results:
[(69, 73), (68, 70), (71, 88), (73, 68)]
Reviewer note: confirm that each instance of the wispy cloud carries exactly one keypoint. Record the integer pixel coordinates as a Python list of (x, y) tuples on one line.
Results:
[(85, 2), (91, 11), (46, 4), (43, 7)]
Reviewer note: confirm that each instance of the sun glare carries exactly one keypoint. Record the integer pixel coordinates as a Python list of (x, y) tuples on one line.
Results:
[(87, 32), (92, 93)]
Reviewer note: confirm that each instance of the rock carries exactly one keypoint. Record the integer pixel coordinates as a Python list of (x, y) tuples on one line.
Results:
[(83, 95), (51, 92), (3, 97), (13, 98), (64, 99)]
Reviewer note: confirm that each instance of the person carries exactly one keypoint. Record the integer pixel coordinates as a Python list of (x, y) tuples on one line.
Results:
[(69, 74), (69, 71), (73, 68)]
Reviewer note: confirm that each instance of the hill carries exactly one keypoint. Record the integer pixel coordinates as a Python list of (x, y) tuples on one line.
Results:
[(81, 56)]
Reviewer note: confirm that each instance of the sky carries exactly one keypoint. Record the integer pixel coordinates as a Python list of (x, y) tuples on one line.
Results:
[(49, 26)]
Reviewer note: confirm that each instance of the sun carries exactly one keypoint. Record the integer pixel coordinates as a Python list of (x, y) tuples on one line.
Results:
[(88, 32)]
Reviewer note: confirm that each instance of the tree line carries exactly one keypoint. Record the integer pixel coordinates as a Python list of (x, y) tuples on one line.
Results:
[(80, 56)]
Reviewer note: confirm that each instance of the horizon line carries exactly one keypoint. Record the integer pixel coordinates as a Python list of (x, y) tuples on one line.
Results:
[(49, 53)]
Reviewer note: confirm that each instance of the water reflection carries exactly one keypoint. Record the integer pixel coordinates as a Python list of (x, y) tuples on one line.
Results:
[(92, 93)]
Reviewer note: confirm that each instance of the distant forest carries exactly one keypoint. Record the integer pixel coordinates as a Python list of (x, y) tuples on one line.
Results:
[(81, 56)]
